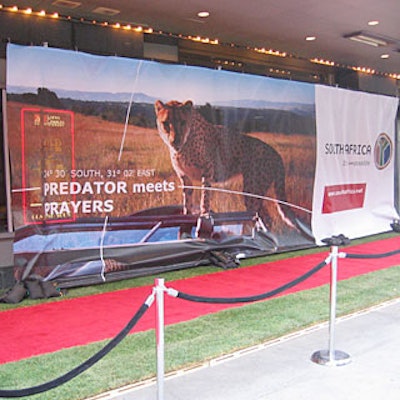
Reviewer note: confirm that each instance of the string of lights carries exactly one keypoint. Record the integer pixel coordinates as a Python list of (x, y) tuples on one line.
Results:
[(199, 39)]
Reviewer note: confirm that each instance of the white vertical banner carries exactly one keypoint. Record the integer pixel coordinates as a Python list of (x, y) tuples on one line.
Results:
[(354, 181)]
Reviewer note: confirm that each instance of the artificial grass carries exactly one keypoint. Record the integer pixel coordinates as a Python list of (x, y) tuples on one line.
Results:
[(196, 341)]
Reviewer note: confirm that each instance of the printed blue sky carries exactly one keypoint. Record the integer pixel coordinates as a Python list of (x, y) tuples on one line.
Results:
[(68, 70)]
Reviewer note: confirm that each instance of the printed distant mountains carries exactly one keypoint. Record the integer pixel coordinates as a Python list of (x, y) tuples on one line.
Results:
[(245, 115)]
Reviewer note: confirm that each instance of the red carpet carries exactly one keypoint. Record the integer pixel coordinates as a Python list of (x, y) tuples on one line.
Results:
[(45, 328)]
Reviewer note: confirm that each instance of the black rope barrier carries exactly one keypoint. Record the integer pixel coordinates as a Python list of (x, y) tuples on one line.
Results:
[(381, 255), (82, 367), (247, 299)]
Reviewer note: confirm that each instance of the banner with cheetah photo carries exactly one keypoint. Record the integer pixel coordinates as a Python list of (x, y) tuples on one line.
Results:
[(123, 166)]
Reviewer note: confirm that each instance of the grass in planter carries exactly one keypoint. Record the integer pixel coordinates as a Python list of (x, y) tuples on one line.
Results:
[(196, 341)]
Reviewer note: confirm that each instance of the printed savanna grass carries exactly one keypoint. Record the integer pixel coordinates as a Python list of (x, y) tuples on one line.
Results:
[(112, 148)]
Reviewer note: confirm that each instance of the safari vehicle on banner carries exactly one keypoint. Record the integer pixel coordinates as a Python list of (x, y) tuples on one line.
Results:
[(90, 251)]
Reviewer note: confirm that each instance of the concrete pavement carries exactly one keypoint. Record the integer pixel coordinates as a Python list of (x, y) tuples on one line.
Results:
[(283, 370)]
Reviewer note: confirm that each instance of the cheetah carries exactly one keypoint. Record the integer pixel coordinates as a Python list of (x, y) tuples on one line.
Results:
[(209, 153)]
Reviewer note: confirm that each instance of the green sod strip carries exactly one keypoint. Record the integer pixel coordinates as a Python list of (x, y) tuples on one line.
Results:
[(196, 341)]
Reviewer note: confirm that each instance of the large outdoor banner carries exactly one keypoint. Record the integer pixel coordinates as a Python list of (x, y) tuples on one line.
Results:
[(354, 183), (120, 166)]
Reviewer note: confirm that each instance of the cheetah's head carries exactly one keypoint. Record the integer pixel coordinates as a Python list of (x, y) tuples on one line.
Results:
[(173, 121)]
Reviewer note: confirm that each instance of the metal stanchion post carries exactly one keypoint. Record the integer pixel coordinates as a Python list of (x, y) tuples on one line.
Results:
[(160, 288), (332, 357)]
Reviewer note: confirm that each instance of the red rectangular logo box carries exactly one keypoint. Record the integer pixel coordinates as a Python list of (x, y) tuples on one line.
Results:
[(343, 197)]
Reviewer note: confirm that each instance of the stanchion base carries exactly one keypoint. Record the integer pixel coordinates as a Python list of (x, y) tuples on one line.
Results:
[(322, 357)]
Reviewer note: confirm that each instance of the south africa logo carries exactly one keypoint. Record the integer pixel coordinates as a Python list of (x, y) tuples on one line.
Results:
[(383, 151)]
